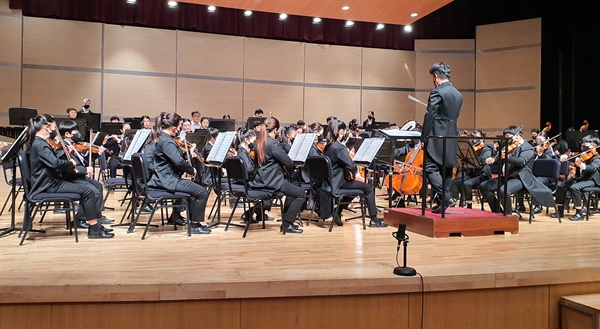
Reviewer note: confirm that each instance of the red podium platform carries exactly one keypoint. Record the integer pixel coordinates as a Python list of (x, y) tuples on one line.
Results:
[(458, 222)]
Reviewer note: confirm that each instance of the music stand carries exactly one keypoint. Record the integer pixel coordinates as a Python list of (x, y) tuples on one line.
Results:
[(19, 116), (467, 158), (222, 125), (215, 160), (92, 120), (111, 128), (301, 147), (81, 124), (251, 120), (198, 137), (139, 140), (135, 123), (574, 138)]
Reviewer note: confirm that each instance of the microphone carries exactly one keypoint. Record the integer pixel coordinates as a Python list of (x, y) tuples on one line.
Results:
[(400, 234), (402, 237)]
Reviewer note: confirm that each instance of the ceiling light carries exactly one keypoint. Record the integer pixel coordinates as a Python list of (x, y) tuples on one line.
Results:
[(131, 2), (408, 28), (172, 4), (316, 20), (414, 15), (211, 9), (282, 17), (379, 26), (248, 13), (345, 7), (349, 23)]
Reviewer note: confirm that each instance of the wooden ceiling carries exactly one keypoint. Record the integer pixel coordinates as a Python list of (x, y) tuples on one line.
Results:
[(376, 11)]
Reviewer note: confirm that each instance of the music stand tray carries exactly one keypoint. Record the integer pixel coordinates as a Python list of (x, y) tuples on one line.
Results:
[(466, 155), (92, 120), (111, 128), (222, 125), (19, 116)]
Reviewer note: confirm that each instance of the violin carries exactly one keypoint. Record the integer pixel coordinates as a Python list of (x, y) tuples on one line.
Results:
[(512, 147), (252, 154), (183, 145), (54, 144), (585, 157), (478, 147), (321, 146), (83, 147)]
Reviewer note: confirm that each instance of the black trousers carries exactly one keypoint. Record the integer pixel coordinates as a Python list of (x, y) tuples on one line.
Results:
[(488, 188), (369, 195), (294, 199), (575, 186), (90, 196), (467, 186), (196, 201), (434, 172), (100, 205)]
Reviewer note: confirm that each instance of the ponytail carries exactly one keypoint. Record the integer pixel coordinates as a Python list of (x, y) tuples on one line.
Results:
[(36, 124), (267, 126)]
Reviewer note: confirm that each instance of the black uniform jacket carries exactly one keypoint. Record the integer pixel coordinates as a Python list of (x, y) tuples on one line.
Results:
[(243, 154), (270, 175), (592, 170), (169, 164), (443, 109), (341, 164), (46, 167)]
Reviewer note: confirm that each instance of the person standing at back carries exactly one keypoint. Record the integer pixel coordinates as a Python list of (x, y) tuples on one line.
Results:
[(443, 109)]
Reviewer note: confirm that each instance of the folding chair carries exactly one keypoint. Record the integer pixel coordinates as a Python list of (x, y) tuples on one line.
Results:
[(17, 188), (548, 168)]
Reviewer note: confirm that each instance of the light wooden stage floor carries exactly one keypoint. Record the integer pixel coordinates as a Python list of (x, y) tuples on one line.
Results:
[(268, 280)]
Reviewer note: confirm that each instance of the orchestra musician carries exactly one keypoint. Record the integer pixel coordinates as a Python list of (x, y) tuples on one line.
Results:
[(472, 178), (341, 165), (271, 161), (543, 147), (207, 172), (170, 164), (443, 110), (86, 104), (534, 133), (588, 166), (47, 175), (370, 120), (245, 140), (519, 175), (287, 137), (113, 145)]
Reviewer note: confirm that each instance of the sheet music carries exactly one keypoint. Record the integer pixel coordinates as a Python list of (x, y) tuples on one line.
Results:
[(368, 149), (140, 138), (400, 134), (301, 147), (15, 147), (219, 150)]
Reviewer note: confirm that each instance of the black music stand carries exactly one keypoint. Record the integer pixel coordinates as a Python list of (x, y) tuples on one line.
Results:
[(81, 124), (222, 125), (12, 155), (111, 128), (574, 138), (92, 120), (299, 153), (467, 158), (251, 120), (215, 161), (134, 122), (19, 116)]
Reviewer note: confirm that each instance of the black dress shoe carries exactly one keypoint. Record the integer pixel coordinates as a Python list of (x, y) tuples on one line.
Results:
[(558, 214), (337, 220), (377, 223), (260, 217), (537, 209), (521, 208), (200, 229), (438, 210), (81, 223), (107, 230), (104, 220), (146, 209), (578, 216), (291, 228), (101, 234)]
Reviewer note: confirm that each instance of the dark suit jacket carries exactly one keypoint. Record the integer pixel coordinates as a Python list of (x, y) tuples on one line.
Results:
[(305, 170), (592, 170), (341, 164), (169, 164), (46, 167), (270, 175), (443, 109), (243, 154)]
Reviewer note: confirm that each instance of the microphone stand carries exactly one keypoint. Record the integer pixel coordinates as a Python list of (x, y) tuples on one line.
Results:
[(404, 270)]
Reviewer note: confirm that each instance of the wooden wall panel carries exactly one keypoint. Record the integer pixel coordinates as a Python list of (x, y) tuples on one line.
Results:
[(322, 102), (10, 39), (285, 102), (210, 54), (388, 68), (53, 91), (338, 65), (510, 34), (211, 98), (516, 68), (498, 110), (462, 68), (4, 6), (10, 85), (466, 120), (62, 43), (388, 106), (273, 60), (138, 95), (139, 49)]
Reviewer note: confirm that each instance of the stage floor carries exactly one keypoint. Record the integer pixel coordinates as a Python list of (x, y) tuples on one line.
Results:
[(168, 265)]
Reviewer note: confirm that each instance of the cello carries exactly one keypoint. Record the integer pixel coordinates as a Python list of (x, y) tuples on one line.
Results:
[(407, 178)]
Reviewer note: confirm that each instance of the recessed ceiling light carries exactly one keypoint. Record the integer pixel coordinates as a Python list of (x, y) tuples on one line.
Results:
[(282, 17), (345, 7), (379, 26), (248, 13), (414, 15), (131, 2), (211, 9), (316, 20), (408, 28), (349, 23), (172, 4)]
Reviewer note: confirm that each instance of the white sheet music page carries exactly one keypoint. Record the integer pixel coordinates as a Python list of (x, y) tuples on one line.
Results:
[(141, 136), (368, 149), (221, 147), (301, 147)]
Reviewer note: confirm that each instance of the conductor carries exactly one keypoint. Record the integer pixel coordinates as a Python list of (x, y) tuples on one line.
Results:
[(443, 109)]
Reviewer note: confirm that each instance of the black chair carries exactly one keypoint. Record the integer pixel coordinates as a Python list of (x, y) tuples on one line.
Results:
[(159, 199), (548, 168), (321, 173), (237, 180), (112, 184), (67, 200), (588, 192), (7, 167)]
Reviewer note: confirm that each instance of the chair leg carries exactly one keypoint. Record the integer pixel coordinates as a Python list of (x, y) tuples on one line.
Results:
[(587, 206), (237, 200), (362, 210), (156, 204), (27, 223), (249, 221), (336, 204), (68, 213), (8, 197)]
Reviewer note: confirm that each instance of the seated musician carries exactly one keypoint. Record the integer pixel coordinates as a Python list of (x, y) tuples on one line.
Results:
[(113, 147), (271, 161), (518, 171), (588, 175), (207, 172), (342, 165), (170, 164), (472, 178), (287, 137), (245, 151), (543, 147), (69, 131), (48, 172)]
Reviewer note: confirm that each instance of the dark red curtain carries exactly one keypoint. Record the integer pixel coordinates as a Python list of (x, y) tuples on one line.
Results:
[(191, 17)]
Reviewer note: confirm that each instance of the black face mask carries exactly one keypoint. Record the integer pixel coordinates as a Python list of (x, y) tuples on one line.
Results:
[(86, 107), (251, 146), (52, 134), (76, 138), (320, 138), (585, 148)]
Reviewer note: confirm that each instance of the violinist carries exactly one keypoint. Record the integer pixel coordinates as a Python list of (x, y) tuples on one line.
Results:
[(588, 166), (341, 164), (518, 171), (245, 140), (186, 127), (287, 137), (472, 178), (534, 134), (169, 165), (207, 172), (271, 161), (47, 175), (113, 147), (370, 120), (313, 151), (543, 147), (69, 132)]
